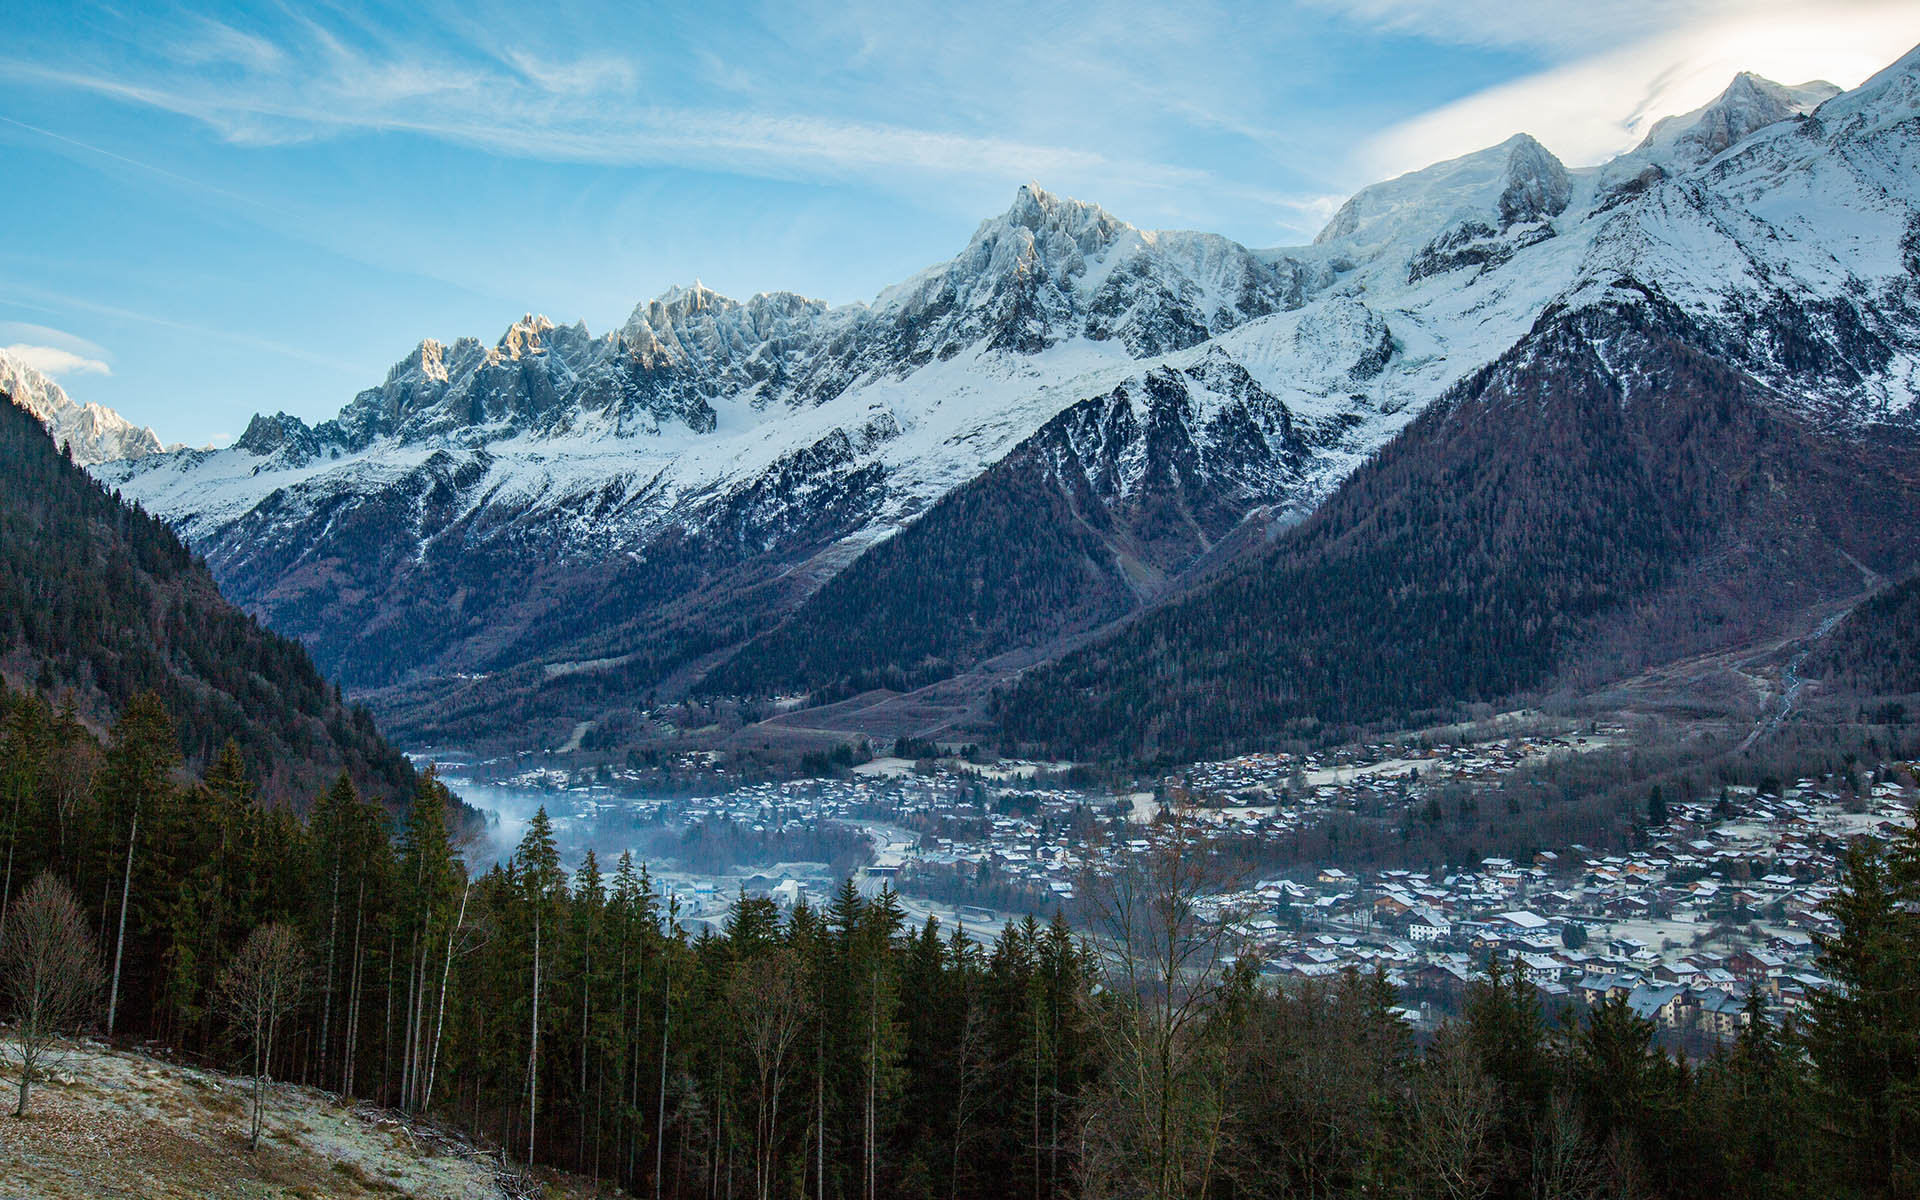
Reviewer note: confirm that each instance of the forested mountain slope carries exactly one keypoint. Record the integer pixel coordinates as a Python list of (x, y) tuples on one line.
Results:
[(101, 600), (1097, 513), (1876, 649), (1607, 486)]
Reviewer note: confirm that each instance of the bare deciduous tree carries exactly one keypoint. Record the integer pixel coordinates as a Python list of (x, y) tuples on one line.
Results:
[(1167, 950), (1565, 1164), (262, 985), (768, 995), (1452, 1115), (50, 973), (970, 1099)]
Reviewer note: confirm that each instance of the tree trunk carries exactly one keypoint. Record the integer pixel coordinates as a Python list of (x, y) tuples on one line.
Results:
[(326, 999), (353, 993), (533, 1047), (440, 1018), (262, 1065), (259, 1082), (26, 1081), (409, 1022), (386, 1029), (630, 1085), (6, 892), (873, 1077), (660, 1113), (120, 940), (820, 1108), (1036, 1102), (418, 1047), (586, 1016)]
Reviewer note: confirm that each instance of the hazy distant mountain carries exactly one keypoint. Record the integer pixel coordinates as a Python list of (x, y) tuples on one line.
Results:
[(1073, 418)]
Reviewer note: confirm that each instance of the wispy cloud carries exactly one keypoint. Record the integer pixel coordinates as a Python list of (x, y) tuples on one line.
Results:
[(583, 109), (1575, 25), (52, 360), (54, 351), (42, 299), (1167, 118), (1198, 116), (1592, 107), (173, 177), (27, 331)]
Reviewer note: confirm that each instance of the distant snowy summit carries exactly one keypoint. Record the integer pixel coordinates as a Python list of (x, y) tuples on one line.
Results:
[(559, 505), (94, 434)]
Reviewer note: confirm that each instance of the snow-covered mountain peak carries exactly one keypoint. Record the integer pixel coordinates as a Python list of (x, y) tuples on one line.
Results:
[(1051, 268), (1048, 216), (95, 434), (678, 304), (1749, 104), (1515, 182), (1887, 99), (564, 498), (272, 434), (526, 336), (1536, 186), (1042, 239)]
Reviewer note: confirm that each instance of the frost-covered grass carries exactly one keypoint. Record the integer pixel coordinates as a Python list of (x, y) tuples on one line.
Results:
[(119, 1123)]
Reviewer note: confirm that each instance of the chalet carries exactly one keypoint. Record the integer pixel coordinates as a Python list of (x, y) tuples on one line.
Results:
[(1446, 983), (1390, 907), (1720, 1012), (1657, 1002), (1539, 968), (1756, 966), (1522, 920), (1594, 989)]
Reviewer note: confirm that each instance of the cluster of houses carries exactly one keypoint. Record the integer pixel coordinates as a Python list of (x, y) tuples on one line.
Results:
[(1264, 779), (1724, 902)]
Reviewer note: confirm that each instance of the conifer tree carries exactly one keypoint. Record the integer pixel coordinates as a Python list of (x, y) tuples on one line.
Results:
[(430, 882), (1864, 1032), (25, 739), (137, 788), (541, 885)]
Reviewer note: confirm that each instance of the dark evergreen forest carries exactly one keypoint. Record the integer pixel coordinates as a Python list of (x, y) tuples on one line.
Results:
[(565, 1011), (100, 602)]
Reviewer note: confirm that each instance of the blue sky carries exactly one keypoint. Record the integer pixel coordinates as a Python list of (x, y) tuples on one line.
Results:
[(218, 209)]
